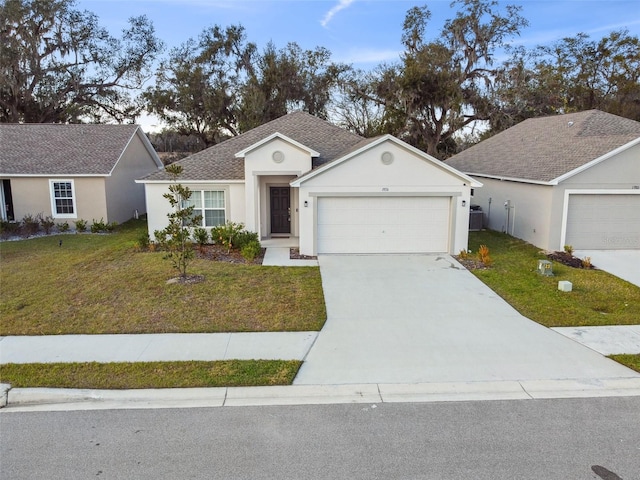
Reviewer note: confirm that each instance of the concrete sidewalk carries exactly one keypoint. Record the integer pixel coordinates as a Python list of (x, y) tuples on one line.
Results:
[(607, 340), (278, 253), (156, 347), (280, 257)]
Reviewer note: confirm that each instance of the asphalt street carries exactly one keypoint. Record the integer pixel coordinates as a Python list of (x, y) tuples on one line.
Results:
[(595, 438)]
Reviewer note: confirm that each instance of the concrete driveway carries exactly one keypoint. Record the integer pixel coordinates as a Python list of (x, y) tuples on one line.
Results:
[(424, 318), (624, 264)]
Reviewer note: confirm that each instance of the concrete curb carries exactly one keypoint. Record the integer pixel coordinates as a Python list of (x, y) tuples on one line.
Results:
[(4, 394), (49, 399)]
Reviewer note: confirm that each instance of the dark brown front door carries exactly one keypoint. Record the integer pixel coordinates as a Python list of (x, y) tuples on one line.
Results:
[(280, 210)]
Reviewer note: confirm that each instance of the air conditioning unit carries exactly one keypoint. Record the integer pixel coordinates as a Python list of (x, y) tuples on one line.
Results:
[(476, 218)]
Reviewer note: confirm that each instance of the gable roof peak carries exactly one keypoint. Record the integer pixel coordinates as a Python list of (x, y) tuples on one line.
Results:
[(219, 162)]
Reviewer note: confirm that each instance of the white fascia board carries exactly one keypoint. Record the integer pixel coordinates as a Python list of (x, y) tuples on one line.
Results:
[(596, 161), (388, 137), (150, 149), (242, 153), (509, 179)]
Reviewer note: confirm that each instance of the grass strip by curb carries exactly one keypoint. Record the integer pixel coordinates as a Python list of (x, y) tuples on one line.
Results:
[(117, 376), (628, 360)]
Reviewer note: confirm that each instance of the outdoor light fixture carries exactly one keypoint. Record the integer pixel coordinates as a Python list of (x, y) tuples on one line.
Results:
[(464, 203), (306, 203)]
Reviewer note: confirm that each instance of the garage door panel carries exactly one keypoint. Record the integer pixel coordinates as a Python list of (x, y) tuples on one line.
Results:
[(383, 225), (604, 222)]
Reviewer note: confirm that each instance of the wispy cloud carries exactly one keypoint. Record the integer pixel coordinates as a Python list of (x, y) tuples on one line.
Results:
[(342, 4)]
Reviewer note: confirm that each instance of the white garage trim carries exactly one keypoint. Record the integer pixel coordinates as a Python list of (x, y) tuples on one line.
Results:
[(385, 194), (565, 234), (383, 224)]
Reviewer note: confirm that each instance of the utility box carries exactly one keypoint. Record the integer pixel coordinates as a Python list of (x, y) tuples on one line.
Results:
[(565, 286), (545, 267)]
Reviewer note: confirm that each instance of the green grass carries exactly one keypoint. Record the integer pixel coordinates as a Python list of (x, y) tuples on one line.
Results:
[(117, 376), (631, 361), (94, 284), (598, 298)]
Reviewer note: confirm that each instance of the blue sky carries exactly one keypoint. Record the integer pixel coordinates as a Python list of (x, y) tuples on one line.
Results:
[(363, 33)]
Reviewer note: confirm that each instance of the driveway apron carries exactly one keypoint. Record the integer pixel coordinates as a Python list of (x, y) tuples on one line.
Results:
[(425, 318)]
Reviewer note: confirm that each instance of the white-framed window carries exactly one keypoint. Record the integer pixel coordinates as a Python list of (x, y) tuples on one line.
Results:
[(63, 199), (210, 205)]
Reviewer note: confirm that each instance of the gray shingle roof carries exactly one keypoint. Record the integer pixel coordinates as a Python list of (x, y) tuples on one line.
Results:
[(219, 162), (543, 149), (54, 149)]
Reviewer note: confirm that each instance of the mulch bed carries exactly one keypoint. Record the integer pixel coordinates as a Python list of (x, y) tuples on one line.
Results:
[(568, 260), (471, 263), (218, 253), (294, 254)]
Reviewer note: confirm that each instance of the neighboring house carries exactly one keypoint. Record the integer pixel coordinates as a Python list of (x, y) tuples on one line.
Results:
[(73, 172), (570, 179), (300, 176)]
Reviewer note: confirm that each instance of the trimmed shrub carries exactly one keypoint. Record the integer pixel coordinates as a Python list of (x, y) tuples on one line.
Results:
[(98, 226), (244, 238), (47, 223), (81, 225), (30, 225), (226, 234), (251, 250), (201, 236)]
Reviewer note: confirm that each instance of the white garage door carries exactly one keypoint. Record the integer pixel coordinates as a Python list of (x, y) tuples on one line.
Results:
[(383, 224), (603, 222)]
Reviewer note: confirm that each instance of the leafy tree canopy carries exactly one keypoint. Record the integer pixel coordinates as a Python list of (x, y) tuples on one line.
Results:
[(57, 65), (220, 85)]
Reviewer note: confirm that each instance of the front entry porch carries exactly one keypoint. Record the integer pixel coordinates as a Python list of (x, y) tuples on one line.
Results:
[(280, 242), (274, 205)]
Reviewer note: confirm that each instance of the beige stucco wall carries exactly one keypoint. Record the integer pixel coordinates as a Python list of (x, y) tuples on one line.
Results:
[(124, 195), (158, 207), (32, 196), (365, 174)]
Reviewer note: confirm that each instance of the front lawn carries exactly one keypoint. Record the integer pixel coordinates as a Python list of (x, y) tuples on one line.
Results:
[(92, 284), (598, 298), (117, 376)]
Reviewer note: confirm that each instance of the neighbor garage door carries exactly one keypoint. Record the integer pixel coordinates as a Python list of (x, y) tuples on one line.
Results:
[(603, 222), (383, 224)]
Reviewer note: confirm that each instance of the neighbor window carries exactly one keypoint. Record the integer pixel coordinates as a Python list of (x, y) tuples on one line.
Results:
[(63, 200), (210, 206)]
